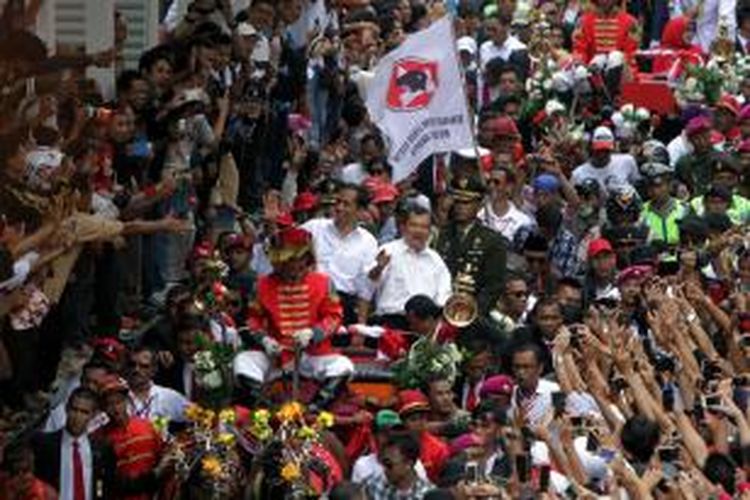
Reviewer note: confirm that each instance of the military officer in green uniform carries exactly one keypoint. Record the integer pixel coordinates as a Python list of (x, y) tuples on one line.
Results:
[(475, 254)]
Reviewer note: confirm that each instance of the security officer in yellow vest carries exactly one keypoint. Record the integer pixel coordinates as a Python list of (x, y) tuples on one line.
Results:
[(721, 197), (662, 212), (471, 249)]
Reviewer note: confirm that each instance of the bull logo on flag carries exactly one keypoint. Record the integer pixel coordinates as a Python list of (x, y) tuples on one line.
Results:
[(412, 85)]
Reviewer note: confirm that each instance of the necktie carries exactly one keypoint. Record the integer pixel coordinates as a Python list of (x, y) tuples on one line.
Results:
[(471, 399), (79, 489)]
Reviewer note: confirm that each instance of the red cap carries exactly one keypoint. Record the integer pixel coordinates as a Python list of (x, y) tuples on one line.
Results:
[(503, 126), (289, 243), (203, 250), (497, 384), (108, 348), (384, 192), (698, 125), (464, 442), (599, 246), (729, 103), (412, 400), (236, 241), (113, 383), (304, 202), (637, 273)]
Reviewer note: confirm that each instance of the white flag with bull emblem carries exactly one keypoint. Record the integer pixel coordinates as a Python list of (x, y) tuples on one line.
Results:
[(417, 99)]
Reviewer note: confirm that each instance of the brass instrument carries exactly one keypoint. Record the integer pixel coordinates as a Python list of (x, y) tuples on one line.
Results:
[(461, 308)]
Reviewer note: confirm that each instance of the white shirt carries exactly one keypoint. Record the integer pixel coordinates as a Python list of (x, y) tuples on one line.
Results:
[(368, 466), (506, 224), (410, 273), (536, 404), (489, 50), (66, 465), (160, 402), (678, 147), (343, 258), (622, 169)]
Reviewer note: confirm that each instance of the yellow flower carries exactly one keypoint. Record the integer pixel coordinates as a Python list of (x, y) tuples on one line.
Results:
[(160, 424), (290, 411), (225, 439), (261, 432), (306, 432), (261, 416), (193, 413), (211, 466), (227, 416), (290, 472), (208, 417), (325, 420)]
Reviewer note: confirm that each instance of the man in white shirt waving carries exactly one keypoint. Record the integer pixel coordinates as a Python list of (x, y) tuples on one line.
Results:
[(343, 250), (407, 267)]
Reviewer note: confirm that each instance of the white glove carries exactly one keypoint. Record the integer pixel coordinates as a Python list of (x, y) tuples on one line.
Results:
[(271, 346), (303, 337)]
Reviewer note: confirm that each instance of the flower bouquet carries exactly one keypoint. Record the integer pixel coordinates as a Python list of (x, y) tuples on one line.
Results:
[(427, 359)]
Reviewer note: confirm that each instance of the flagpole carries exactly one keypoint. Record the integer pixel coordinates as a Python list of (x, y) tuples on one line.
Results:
[(471, 112)]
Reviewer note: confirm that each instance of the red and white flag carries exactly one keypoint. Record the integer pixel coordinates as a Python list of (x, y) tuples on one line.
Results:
[(417, 99)]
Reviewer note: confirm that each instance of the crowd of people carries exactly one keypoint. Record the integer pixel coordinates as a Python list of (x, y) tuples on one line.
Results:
[(213, 286)]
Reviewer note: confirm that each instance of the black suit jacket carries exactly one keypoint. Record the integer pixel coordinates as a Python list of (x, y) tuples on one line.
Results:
[(481, 250), (47, 463)]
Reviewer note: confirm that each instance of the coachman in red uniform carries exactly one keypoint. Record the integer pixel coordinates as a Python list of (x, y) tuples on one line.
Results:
[(606, 30), (137, 446), (294, 305)]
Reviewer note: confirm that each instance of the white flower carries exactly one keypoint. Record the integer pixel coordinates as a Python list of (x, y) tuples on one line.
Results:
[(537, 75), (581, 73), (618, 120), (561, 81), (713, 64), (547, 84), (627, 109), (535, 95), (529, 85), (204, 361), (553, 106), (615, 59), (691, 84), (599, 62), (211, 380), (642, 114)]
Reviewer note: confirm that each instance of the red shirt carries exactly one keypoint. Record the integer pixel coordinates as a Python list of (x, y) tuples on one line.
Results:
[(281, 309), (137, 448), (434, 454), (601, 34)]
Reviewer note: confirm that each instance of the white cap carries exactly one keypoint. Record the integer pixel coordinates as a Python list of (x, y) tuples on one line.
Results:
[(603, 138), (245, 29), (471, 153), (467, 43)]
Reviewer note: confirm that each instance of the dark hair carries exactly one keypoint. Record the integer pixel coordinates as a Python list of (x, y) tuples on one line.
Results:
[(126, 79), (363, 197), (510, 176), (83, 393), (189, 323), (549, 216), (439, 494), (406, 442), (6, 263), (345, 490), (639, 437), (530, 347), (720, 469), (535, 243), (151, 57), (493, 409), (374, 137), (422, 306), (570, 283), (743, 14), (545, 302)]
